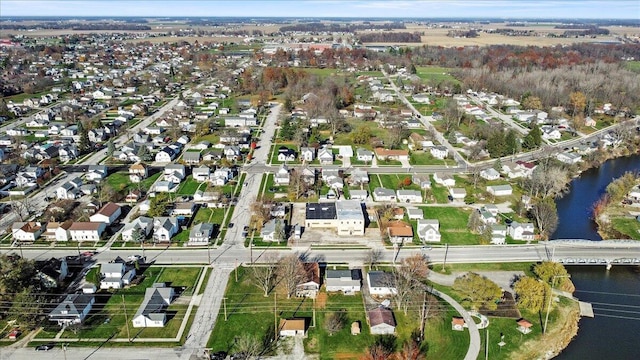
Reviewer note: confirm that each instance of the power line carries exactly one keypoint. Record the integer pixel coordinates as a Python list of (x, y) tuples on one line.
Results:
[(607, 293)]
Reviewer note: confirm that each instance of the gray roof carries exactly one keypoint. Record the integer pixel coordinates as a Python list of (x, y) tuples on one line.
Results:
[(191, 155), (156, 299), (71, 307), (353, 274), (383, 192), (111, 268), (201, 230), (378, 279)]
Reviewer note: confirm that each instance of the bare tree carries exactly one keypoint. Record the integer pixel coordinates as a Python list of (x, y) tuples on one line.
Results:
[(290, 273), (373, 258), (335, 321), (408, 279), (264, 275), (260, 211), (22, 207), (247, 347), (546, 181), (546, 216)]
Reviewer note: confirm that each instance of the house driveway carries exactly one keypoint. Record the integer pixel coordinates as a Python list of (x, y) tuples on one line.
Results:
[(405, 163)]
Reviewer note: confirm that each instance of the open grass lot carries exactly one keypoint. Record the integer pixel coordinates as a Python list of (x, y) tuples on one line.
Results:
[(189, 186), (108, 318), (453, 224), (435, 74), (210, 215), (425, 158), (390, 181), (374, 129), (629, 227), (633, 66), (250, 313), (440, 193), (120, 181), (270, 188)]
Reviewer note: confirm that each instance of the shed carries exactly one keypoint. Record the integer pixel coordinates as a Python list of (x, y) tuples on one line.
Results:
[(292, 327), (355, 328), (458, 323), (524, 326)]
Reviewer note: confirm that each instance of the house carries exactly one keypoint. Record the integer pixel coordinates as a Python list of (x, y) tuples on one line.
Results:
[(164, 228), (346, 216), (203, 173), (500, 190), (521, 231), (524, 326), (292, 327), (381, 321), (174, 173), (107, 214), (444, 179), (141, 226), (70, 189), (399, 232), (439, 152), (498, 234), (569, 157), (278, 211), (415, 214), (164, 186), (307, 154), (325, 156), (386, 154), (281, 177), (86, 231), (273, 230), (96, 172), (72, 310), (27, 231), (490, 174), (138, 172), (421, 180), (382, 194), (308, 175), (364, 155), (153, 309), (286, 155), (57, 231), (115, 275), (487, 217), (310, 284), (457, 193), (409, 196), (184, 209), (232, 153), (458, 323), (420, 98), (191, 157), (428, 230), (380, 283), (67, 152), (358, 177), (347, 281), (221, 176), (361, 195), (167, 154), (200, 234)]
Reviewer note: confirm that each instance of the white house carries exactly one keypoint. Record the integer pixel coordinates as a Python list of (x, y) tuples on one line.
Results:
[(96, 172), (269, 231), (428, 230), (115, 275), (346, 281), (444, 179), (152, 311), (457, 193), (281, 177), (200, 234), (72, 310), (164, 228), (108, 214), (27, 231), (307, 154), (364, 155), (439, 152), (142, 224), (409, 196), (382, 194), (325, 156), (380, 284), (381, 321), (521, 231), (86, 231), (292, 327), (137, 173), (57, 231), (569, 157), (498, 234), (500, 190), (167, 154), (490, 174), (286, 155)]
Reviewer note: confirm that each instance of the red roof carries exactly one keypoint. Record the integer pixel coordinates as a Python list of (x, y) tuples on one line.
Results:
[(109, 209), (524, 323)]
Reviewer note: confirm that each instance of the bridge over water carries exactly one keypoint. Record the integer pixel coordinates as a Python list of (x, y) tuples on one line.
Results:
[(627, 252)]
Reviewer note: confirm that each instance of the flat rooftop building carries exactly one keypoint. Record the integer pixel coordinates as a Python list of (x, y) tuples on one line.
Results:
[(345, 216)]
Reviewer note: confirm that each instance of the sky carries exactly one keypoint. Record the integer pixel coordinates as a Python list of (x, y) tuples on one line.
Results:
[(575, 9)]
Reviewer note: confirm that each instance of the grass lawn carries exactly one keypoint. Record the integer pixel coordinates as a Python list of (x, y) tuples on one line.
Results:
[(109, 316), (274, 153), (270, 188), (188, 186), (374, 129), (212, 138), (453, 225), (212, 215), (435, 74), (121, 183), (390, 181), (629, 227), (425, 158), (440, 193), (250, 313)]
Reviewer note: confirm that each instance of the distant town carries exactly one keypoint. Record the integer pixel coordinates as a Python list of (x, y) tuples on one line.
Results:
[(244, 189)]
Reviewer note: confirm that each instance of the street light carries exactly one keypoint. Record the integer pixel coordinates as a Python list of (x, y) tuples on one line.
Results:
[(553, 281)]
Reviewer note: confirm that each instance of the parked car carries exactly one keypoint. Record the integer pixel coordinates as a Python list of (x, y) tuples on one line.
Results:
[(45, 347)]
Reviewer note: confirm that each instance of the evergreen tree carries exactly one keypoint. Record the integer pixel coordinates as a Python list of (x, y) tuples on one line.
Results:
[(110, 147), (412, 69), (84, 143), (533, 138), (143, 153), (511, 143)]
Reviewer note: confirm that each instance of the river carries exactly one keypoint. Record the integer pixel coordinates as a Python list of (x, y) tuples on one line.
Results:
[(614, 333)]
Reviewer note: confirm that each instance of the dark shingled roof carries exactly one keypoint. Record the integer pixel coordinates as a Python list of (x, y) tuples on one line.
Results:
[(319, 211)]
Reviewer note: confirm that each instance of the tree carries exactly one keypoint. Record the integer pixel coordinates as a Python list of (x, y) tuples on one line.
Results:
[(578, 102), (533, 139), (158, 205), (531, 293), (84, 145), (27, 308), (107, 193), (279, 233), (260, 212), (290, 272), (548, 270), (373, 258), (110, 147), (408, 279), (264, 275), (475, 223), (247, 346), (532, 103), (22, 207), (335, 321), (362, 135), (545, 215), (411, 350), (381, 349), (412, 69), (477, 291), (144, 154)]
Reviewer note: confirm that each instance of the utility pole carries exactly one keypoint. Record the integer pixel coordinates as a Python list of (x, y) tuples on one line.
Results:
[(553, 282), (236, 270), (209, 252), (224, 305), (275, 316), (486, 355), (423, 316), (126, 319), (446, 251), (314, 313)]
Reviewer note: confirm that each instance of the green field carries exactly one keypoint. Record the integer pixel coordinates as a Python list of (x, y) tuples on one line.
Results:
[(633, 66), (435, 74), (210, 215), (629, 227), (189, 186), (425, 158), (121, 183), (453, 225)]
